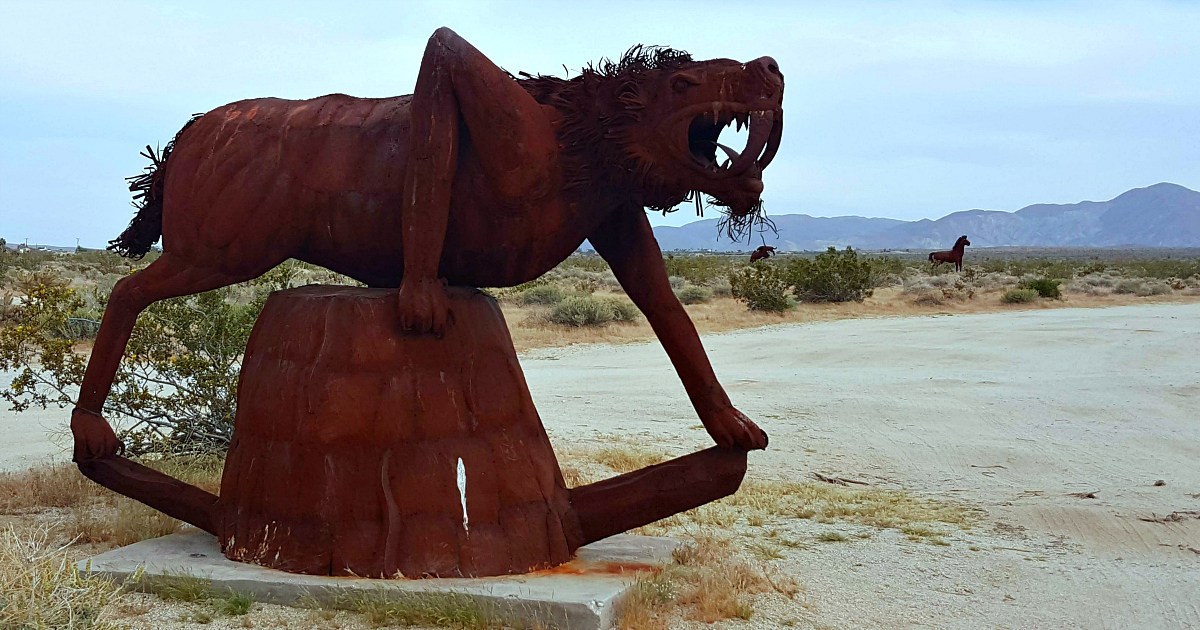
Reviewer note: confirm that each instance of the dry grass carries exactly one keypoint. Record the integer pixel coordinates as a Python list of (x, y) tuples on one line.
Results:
[(40, 588), (924, 533), (707, 583), (624, 458), (582, 465), (125, 524), (827, 503), (86, 513), (41, 487), (759, 500)]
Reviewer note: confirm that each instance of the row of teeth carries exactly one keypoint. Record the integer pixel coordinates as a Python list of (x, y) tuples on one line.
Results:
[(723, 118)]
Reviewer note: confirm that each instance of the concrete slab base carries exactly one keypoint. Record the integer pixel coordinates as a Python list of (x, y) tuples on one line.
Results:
[(580, 595)]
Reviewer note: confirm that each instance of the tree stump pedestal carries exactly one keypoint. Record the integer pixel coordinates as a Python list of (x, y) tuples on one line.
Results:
[(360, 449)]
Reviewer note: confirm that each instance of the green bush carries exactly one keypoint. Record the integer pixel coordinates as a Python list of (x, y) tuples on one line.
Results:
[(583, 311), (541, 295), (762, 286), (1045, 287), (832, 276), (1019, 296), (692, 294)]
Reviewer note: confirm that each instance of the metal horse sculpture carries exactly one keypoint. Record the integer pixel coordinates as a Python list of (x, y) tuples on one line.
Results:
[(763, 252), (476, 179), (954, 255)]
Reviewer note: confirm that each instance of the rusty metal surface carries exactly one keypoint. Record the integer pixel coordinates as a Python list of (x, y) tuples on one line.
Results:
[(477, 179), (360, 449)]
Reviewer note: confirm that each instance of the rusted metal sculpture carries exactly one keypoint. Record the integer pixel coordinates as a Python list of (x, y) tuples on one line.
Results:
[(477, 179), (954, 255), (762, 253)]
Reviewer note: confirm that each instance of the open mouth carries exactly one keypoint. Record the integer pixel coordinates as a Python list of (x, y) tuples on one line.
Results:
[(704, 131)]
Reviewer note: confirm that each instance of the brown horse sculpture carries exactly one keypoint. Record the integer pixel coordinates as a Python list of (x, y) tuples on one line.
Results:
[(766, 251), (476, 179), (954, 255)]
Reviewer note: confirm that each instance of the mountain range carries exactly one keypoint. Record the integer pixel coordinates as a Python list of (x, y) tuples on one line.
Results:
[(1162, 215)]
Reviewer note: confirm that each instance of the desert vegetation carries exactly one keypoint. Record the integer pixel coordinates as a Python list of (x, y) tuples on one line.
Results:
[(176, 390)]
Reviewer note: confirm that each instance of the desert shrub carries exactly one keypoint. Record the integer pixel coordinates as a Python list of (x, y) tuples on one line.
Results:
[(762, 286), (622, 310), (1045, 287), (720, 287), (1129, 286), (582, 311), (176, 389), (1019, 296), (677, 282), (30, 259), (942, 281), (885, 271), (831, 276), (608, 280), (586, 262), (692, 294), (928, 299), (1098, 281), (1079, 286), (697, 269), (1153, 288), (917, 285), (1163, 268), (541, 295)]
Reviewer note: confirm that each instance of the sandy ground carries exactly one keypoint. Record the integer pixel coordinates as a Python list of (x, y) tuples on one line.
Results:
[(1010, 412), (30, 437)]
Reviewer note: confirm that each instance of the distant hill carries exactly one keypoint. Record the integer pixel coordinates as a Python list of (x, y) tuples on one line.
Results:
[(1162, 215)]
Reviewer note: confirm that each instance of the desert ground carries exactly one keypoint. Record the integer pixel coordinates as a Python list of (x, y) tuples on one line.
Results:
[(1009, 412), (1015, 417)]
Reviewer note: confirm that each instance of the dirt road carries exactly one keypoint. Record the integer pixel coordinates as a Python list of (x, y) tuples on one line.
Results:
[(1012, 412), (30, 437)]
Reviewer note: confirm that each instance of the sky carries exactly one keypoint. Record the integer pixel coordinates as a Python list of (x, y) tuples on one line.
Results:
[(906, 110)]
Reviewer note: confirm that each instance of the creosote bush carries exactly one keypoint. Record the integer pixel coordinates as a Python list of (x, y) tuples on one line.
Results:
[(1019, 296), (1045, 287), (831, 276), (762, 286)]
